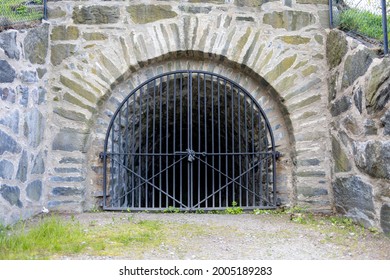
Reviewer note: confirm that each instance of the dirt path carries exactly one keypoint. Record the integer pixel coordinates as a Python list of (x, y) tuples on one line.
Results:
[(248, 236)]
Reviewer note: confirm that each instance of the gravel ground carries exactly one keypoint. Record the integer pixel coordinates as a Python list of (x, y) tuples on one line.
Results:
[(249, 236)]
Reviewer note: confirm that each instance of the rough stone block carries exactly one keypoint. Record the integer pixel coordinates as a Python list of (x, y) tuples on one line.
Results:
[(341, 160), (34, 127), (7, 73), (60, 52), (289, 20), (340, 106), (67, 191), (373, 157), (62, 32), (377, 90), (38, 166), (8, 44), (36, 44), (6, 169), (23, 94), (8, 144), (11, 120), (8, 94), (336, 47), (28, 77), (11, 194), (21, 175), (385, 218), (385, 121), (370, 127), (353, 197), (70, 115), (96, 14), (356, 65), (70, 140), (142, 13), (34, 190), (95, 36)]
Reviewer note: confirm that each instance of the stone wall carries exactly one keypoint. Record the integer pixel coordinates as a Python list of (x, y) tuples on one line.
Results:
[(23, 101), (90, 54), (359, 93)]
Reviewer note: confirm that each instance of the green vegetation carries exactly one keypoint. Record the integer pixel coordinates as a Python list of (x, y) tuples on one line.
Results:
[(234, 210), (54, 236), (363, 22), (13, 11)]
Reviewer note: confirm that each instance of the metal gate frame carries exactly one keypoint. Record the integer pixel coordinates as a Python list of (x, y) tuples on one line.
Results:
[(123, 179)]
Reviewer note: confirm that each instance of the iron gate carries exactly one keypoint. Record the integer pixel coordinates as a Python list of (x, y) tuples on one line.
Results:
[(189, 140)]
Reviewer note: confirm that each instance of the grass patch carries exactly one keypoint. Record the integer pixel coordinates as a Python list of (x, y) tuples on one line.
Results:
[(53, 236), (13, 11), (363, 22)]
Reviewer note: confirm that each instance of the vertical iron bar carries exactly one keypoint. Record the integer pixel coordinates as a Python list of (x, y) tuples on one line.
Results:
[(181, 135), (45, 9), (232, 145), (133, 180), (212, 136), (205, 135), (260, 155), (160, 143), (147, 146), (174, 133), (246, 151), (153, 141), (226, 148), (166, 144), (120, 155), (384, 25), (126, 156), (253, 155), (112, 186), (239, 141), (189, 140), (140, 146), (199, 141), (219, 142), (330, 14)]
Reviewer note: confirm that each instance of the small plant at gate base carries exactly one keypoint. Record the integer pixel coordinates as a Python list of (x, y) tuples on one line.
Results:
[(234, 210), (171, 209)]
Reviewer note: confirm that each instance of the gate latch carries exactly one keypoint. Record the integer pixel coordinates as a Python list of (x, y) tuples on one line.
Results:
[(191, 155)]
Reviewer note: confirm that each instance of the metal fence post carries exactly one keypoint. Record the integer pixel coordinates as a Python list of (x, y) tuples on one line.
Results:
[(331, 14), (45, 9), (384, 25)]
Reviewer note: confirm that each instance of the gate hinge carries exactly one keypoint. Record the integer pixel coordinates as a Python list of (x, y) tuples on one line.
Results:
[(277, 154), (101, 155)]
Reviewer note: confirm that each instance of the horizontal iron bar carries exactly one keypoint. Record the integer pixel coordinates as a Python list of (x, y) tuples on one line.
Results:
[(141, 209), (186, 153)]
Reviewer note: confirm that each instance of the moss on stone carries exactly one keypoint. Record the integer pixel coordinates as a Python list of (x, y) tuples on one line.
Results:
[(341, 161), (64, 33), (142, 13), (280, 68), (78, 88), (295, 40), (309, 70)]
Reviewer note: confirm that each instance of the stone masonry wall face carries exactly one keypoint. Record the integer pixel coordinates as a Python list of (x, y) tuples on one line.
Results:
[(76, 66), (23, 123), (359, 93)]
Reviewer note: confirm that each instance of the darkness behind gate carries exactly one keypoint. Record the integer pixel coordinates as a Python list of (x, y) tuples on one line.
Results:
[(189, 140)]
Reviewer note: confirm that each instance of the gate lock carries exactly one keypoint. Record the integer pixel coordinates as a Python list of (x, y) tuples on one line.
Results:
[(191, 155)]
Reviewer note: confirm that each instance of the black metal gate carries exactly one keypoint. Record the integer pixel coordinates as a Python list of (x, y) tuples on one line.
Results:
[(189, 140)]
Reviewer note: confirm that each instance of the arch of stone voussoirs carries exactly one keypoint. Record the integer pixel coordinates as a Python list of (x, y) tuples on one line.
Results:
[(261, 92), (247, 54)]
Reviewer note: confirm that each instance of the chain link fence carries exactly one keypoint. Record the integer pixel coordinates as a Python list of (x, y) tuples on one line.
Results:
[(367, 19), (18, 12)]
